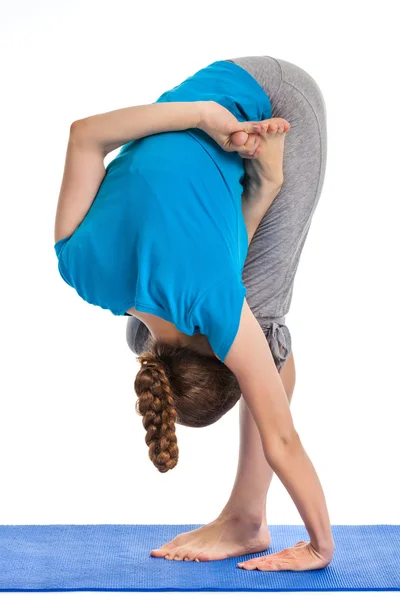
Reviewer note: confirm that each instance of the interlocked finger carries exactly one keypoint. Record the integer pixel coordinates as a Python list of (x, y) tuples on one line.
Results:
[(251, 146)]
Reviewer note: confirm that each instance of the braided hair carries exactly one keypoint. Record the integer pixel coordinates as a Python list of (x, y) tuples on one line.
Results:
[(156, 404)]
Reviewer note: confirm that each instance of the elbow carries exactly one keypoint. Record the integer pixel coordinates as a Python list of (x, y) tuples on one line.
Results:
[(76, 126), (280, 444), (288, 439), (79, 130), (82, 133)]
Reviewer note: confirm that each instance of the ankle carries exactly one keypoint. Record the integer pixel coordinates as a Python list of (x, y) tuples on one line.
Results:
[(242, 518)]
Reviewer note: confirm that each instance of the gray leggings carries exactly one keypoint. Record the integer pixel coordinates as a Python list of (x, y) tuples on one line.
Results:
[(275, 249)]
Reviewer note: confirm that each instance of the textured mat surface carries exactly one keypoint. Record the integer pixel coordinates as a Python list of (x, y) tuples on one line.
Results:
[(117, 557)]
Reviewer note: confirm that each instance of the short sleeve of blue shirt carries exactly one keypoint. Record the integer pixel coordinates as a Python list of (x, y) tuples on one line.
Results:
[(209, 314)]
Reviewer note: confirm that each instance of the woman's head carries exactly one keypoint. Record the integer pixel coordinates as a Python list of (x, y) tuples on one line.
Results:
[(179, 385)]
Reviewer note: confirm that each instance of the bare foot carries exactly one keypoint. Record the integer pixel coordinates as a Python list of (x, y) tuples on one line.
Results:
[(266, 166), (217, 540)]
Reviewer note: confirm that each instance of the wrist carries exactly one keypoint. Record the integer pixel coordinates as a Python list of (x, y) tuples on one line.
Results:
[(203, 110), (324, 548)]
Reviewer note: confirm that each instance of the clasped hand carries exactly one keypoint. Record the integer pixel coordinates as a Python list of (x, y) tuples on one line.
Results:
[(229, 133)]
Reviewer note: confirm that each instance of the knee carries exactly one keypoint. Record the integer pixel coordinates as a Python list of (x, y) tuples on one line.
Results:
[(296, 75), (288, 376), (303, 81)]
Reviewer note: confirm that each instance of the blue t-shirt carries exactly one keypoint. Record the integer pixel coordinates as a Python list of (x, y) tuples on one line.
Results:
[(165, 233)]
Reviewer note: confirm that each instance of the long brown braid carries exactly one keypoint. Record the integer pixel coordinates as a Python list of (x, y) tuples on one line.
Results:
[(156, 404)]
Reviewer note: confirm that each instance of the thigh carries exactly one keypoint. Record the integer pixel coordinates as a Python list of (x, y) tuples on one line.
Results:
[(276, 247)]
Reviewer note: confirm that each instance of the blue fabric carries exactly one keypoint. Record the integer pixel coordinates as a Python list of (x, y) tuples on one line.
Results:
[(166, 233), (117, 557)]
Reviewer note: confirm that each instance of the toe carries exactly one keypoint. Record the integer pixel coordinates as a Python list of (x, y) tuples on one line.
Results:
[(202, 557), (192, 555), (180, 554), (158, 553), (161, 552)]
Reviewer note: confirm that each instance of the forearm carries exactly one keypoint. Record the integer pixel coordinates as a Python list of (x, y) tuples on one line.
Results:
[(285, 454), (284, 451), (295, 470), (115, 128)]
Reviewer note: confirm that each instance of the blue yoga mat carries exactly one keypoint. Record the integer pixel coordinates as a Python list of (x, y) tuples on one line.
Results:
[(117, 557)]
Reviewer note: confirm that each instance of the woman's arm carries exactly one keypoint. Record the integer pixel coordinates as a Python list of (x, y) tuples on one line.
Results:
[(251, 360), (117, 127), (92, 138), (83, 173), (113, 129)]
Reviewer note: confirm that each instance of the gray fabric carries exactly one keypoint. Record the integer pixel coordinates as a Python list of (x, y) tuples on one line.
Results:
[(137, 335), (275, 249)]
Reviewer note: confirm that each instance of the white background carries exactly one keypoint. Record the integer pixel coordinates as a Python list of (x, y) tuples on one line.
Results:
[(72, 446)]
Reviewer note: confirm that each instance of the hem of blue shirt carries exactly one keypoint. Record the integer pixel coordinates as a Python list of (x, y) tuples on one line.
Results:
[(221, 351), (153, 310), (224, 347)]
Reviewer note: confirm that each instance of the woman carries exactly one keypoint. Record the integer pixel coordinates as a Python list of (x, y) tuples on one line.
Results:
[(162, 234)]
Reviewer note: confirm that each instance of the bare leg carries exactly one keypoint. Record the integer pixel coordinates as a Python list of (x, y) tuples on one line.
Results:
[(254, 475)]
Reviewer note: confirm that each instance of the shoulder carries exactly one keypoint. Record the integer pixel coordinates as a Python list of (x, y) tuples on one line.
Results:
[(217, 313)]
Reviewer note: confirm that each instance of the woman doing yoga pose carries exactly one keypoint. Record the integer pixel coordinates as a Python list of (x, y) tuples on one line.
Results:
[(194, 231)]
